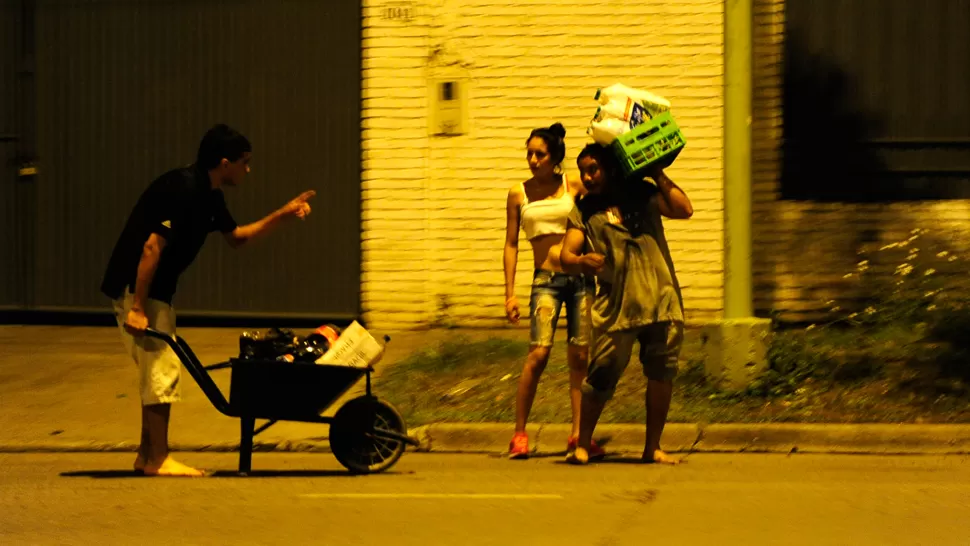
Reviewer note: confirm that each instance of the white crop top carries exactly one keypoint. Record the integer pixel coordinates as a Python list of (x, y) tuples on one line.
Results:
[(546, 216)]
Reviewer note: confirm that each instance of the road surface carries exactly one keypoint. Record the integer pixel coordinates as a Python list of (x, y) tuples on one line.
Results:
[(72, 498)]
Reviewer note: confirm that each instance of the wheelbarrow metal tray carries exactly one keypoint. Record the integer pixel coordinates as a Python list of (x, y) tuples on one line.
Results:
[(284, 391)]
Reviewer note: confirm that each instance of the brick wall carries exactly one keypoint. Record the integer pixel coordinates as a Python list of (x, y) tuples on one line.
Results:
[(433, 207)]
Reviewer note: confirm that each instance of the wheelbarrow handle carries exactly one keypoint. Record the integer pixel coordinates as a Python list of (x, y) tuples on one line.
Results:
[(195, 368), (167, 338)]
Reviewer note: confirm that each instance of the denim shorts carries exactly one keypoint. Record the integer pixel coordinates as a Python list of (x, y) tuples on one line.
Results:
[(550, 291)]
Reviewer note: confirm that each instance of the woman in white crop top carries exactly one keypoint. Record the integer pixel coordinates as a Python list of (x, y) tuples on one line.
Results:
[(540, 207)]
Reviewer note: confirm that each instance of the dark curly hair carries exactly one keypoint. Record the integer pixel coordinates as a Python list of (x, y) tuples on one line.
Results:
[(605, 158), (554, 137)]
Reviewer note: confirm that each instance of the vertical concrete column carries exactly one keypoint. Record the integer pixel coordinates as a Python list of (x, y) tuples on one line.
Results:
[(735, 349), (738, 38)]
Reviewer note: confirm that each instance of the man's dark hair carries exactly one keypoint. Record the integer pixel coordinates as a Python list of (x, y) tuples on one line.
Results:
[(221, 142), (606, 159)]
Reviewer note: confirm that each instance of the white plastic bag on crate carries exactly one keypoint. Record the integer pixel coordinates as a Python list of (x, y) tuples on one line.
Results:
[(654, 104), (355, 347), (615, 108), (623, 108), (606, 130)]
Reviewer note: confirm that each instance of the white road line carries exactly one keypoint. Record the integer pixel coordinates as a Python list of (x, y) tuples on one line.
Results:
[(452, 496)]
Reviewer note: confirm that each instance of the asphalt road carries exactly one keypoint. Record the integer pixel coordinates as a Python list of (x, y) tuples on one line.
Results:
[(748, 499)]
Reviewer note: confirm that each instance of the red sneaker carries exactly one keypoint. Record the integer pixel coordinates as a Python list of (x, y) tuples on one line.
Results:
[(595, 451), (519, 446)]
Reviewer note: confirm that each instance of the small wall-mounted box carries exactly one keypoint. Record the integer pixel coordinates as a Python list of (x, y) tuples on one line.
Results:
[(449, 107)]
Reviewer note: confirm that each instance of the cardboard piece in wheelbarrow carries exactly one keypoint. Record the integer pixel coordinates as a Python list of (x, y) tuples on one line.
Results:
[(355, 347)]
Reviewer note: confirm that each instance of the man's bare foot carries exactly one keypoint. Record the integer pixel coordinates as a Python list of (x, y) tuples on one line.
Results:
[(171, 467), (577, 456), (658, 457)]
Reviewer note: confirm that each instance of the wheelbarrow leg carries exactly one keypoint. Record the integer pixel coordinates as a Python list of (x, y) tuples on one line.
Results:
[(247, 425)]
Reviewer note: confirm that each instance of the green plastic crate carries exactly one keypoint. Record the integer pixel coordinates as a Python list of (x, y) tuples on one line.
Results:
[(656, 142)]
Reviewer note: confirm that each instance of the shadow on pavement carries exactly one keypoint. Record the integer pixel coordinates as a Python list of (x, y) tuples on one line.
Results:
[(639, 461), (102, 474), (114, 474)]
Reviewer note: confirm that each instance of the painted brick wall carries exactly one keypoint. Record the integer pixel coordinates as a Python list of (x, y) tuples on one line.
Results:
[(433, 207)]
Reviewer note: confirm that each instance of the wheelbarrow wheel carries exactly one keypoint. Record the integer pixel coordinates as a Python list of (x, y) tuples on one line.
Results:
[(353, 443)]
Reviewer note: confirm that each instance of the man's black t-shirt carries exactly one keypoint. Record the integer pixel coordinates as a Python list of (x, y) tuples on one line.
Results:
[(181, 207)]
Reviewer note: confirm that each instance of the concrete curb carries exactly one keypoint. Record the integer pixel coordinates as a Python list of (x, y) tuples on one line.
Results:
[(493, 438), (543, 439), (823, 438), (885, 439)]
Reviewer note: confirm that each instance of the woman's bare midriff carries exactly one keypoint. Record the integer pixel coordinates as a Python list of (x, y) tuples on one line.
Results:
[(545, 252)]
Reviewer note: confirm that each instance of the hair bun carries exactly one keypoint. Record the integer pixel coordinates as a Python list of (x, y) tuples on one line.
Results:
[(558, 130)]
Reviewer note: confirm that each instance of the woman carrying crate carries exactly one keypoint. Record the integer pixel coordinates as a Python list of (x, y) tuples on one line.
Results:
[(616, 233), (540, 206)]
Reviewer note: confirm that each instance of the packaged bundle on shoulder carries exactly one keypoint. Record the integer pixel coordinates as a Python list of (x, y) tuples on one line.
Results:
[(605, 130), (639, 128), (623, 108), (653, 104)]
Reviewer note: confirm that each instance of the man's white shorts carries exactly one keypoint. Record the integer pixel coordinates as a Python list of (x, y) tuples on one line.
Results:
[(159, 369)]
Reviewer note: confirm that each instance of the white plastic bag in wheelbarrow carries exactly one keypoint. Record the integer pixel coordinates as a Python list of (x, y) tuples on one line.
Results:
[(355, 347)]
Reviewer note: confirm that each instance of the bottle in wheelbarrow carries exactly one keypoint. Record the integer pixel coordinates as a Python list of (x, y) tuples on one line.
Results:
[(315, 345), (269, 344), (328, 331)]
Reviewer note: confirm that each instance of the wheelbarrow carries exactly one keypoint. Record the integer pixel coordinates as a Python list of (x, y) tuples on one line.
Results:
[(367, 435)]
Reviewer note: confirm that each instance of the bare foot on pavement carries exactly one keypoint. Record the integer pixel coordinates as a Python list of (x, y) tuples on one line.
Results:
[(172, 468), (659, 457), (577, 456)]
